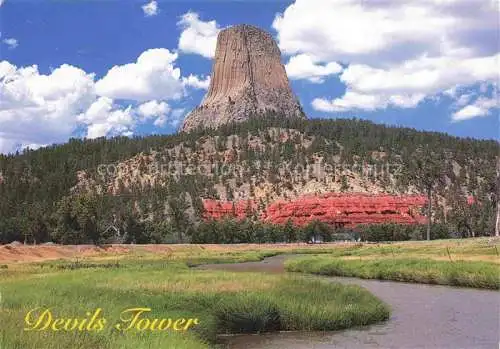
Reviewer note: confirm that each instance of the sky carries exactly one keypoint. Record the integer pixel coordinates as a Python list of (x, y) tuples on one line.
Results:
[(94, 68)]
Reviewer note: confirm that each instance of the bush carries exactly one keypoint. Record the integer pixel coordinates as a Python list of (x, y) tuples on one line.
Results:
[(247, 315), (440, 231), (232, 230), (385, 232), (402, 232)]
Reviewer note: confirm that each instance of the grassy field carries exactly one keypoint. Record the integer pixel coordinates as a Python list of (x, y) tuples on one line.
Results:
[(222, 302), (479, 249), (192, 253), (73, 280), (468, 263), (460, 273)]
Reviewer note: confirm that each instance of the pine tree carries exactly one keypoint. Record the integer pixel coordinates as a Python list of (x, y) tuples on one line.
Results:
[(426, 171)]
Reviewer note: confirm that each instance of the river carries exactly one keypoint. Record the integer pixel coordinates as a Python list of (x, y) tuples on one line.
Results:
[(423, 316)]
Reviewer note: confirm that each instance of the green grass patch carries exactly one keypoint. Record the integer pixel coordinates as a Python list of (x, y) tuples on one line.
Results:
[(459, 273), (223, 302)]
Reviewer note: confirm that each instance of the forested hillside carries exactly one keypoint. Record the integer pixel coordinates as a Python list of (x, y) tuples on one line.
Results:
[(151, 187)]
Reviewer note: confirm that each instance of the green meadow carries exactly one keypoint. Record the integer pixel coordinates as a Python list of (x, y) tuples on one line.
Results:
[(466, 263), (460, 273), (185, 307), (221, 302)]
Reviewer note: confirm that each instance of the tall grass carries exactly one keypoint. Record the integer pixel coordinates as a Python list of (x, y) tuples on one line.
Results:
[(223, 302), (459, 273)]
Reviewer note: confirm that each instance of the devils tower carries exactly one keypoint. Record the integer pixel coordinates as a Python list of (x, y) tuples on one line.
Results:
[(248, 80)]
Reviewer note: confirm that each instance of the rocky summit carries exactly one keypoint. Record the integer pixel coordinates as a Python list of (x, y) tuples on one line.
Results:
[(248, 79)]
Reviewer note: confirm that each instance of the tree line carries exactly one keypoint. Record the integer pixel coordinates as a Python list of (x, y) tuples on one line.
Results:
[(39, 202)]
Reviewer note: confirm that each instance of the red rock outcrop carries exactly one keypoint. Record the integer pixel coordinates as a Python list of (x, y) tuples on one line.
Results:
[(347, 210), (471, 200), (248, 79), (221, 209)]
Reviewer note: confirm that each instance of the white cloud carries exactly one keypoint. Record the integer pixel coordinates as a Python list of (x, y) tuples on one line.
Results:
[(173, 119), (354, 100), (463, 99), (177, 113), (150, 9), (177, 116), (373, 32), (41, 109), (104, 118), (33, 146), (153, 109), (423, 75), (153, 76), (398, 53), (194, 81), (11, 42), (1, 2), (303, 66), (160, 121), (197, 36), (408, 84), (481, 107)]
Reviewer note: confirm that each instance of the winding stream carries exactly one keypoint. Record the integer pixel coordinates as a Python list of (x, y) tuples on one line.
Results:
[(423, 316)]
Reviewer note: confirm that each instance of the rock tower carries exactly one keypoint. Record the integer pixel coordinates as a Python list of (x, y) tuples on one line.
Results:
[(248, 79)]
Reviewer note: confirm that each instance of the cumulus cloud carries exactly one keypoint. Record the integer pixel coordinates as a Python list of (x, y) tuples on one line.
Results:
[(197, 36), (150, 9), (483, 106), (408, 84), (177, 116), (104, 118), (41, 109), (153, 109), (152, 76), (463, 99), (174, 118), (11, 43), (38, 109), (160, 121), (396, 54), (371, 32), (354, 100), (194, 81), (303, 66), (423, 75)]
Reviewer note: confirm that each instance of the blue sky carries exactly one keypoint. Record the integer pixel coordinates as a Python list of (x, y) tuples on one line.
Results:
[(103, 68)]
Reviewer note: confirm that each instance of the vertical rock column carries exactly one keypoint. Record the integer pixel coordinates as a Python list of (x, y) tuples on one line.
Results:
[(248, 79)]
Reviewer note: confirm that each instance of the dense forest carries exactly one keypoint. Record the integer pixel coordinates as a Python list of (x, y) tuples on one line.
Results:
[(60, 193)]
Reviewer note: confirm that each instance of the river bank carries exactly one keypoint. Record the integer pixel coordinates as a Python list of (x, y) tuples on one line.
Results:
[(423, 316)]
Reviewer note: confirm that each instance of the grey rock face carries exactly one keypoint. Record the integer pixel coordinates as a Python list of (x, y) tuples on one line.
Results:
[(247, 80)]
